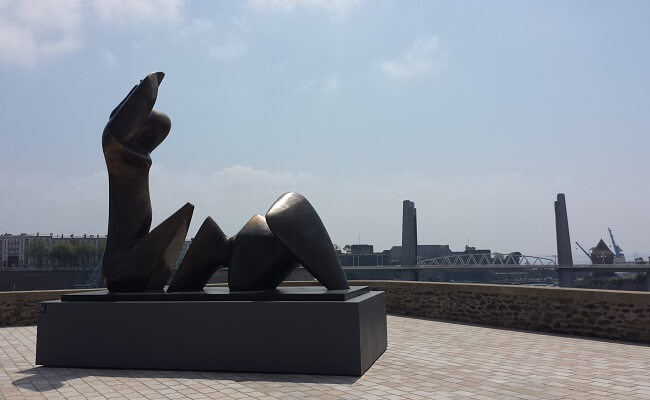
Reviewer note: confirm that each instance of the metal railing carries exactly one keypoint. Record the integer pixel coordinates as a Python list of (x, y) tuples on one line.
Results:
[(49, 268), (96, 279)]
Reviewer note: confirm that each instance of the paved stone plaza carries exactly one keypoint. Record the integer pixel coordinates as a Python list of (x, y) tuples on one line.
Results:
[(425, 360)]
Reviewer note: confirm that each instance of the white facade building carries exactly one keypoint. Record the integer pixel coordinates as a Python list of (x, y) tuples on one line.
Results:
[(14, 249)]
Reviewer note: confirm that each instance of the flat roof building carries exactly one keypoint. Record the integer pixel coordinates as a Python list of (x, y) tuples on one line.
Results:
[(409, 254)]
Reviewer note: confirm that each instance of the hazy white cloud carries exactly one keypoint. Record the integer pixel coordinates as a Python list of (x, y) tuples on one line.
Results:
[(335, 8), (109, 58), (32, 30), (331, 85), (422, 56), (327, 85), (46, 203), (121, 12), (196, 27), (218, 43), (227, 47), (307, 86), (245, 175)]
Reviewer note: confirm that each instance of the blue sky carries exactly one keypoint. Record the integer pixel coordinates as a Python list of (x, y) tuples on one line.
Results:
[(479, 112)]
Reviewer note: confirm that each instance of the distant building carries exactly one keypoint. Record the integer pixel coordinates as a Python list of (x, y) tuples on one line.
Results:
[(363, 260), (395, 254), (565, 258), (363, 255), (601, 254), (361, 249), (433, 250), (410, 253), (409, 234), (424, 251), (35, 251), (474, 250)]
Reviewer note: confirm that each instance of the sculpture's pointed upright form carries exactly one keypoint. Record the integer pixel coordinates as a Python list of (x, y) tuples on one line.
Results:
[(209, 250), (134, 259)]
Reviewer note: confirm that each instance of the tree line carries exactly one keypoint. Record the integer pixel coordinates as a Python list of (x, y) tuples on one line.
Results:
[(63, 254)]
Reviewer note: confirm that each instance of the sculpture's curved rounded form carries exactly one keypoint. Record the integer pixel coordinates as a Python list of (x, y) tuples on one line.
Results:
[(264, 252), (259, 260), (294, 221)]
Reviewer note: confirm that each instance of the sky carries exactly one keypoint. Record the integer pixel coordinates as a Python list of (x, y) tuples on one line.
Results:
[(479, 112)]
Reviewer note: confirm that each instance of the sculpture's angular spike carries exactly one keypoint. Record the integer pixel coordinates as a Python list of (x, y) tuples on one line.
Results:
[(259, 261), (159, 76), (209, 250), (295, 222), (119, 106), (126, 119), (147, 263), (167, 239)]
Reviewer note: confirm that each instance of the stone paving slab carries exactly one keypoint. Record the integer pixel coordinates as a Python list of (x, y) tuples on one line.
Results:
[(425, 360)]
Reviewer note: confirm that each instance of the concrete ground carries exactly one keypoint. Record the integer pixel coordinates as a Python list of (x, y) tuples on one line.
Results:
[(425, 360)]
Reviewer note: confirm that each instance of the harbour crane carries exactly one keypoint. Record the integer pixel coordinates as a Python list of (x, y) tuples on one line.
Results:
[(617, 250), (584, 251)]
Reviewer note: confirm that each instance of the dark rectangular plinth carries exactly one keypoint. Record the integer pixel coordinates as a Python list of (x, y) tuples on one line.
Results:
[(307, 337), (292, 293)]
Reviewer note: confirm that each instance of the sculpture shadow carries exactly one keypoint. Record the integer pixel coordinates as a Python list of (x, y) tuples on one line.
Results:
[(45, 379)]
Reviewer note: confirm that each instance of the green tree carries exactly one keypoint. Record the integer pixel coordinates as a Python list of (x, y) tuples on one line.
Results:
[(62, 254), (84, 254), (347, 249), (38, 251)]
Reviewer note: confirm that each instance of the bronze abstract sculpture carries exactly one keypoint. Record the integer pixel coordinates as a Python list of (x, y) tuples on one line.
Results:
[(264, 252), (251, 326)]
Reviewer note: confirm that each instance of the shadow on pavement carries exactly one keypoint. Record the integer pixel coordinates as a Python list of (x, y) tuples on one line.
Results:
[(44, 379)]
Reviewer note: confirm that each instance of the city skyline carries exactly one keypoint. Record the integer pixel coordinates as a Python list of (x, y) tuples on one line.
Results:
[(407, 218), (478, 113)]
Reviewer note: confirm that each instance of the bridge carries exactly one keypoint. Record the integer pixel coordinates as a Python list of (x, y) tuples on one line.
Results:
[(485, 260)]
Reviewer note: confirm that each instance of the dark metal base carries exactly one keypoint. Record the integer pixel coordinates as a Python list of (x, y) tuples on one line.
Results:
[(307, 337), (291, 293)]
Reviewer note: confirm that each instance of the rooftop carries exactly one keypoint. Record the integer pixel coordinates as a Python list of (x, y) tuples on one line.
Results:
[(426, 359)]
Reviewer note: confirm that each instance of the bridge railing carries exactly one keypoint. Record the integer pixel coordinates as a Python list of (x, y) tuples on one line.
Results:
[(512, 259)]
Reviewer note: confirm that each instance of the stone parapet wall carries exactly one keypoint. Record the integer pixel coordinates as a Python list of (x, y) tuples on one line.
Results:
[(622, 315), (20, 308)]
